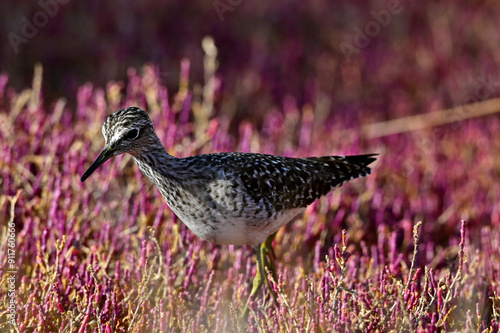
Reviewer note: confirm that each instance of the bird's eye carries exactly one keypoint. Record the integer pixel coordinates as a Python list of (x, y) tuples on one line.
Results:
[(133, 134)]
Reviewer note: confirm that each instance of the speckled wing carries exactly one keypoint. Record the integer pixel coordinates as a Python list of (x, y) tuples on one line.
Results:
[(287, 183)]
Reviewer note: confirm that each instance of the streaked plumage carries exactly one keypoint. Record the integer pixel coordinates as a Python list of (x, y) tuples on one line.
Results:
[(230, 198), (227, 198)]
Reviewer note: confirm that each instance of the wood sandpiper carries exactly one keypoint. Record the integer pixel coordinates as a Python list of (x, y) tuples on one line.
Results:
[(228, 198)]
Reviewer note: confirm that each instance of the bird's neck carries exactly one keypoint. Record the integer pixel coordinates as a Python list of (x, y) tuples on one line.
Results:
[(158, 165)]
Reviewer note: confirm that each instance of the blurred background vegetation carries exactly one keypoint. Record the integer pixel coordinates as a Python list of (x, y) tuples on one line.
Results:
[(430, 55), (293, 78)]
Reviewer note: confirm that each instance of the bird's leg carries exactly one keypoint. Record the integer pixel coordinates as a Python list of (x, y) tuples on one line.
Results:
[(257, 280), (265, 255), (268, 256)]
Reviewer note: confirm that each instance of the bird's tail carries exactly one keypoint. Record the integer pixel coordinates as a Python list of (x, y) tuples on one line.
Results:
[(346, 168), (360, 164)]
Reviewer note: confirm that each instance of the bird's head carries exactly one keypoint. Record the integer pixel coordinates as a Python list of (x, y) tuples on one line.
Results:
[(126, 131)]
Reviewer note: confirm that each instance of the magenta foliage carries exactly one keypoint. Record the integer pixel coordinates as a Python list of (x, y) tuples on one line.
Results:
[(109, 256)]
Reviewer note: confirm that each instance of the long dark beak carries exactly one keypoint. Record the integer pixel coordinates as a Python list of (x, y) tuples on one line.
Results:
[(105, 155)]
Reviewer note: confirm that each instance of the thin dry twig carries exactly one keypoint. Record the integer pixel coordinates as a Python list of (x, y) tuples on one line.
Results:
[(427, 120)]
